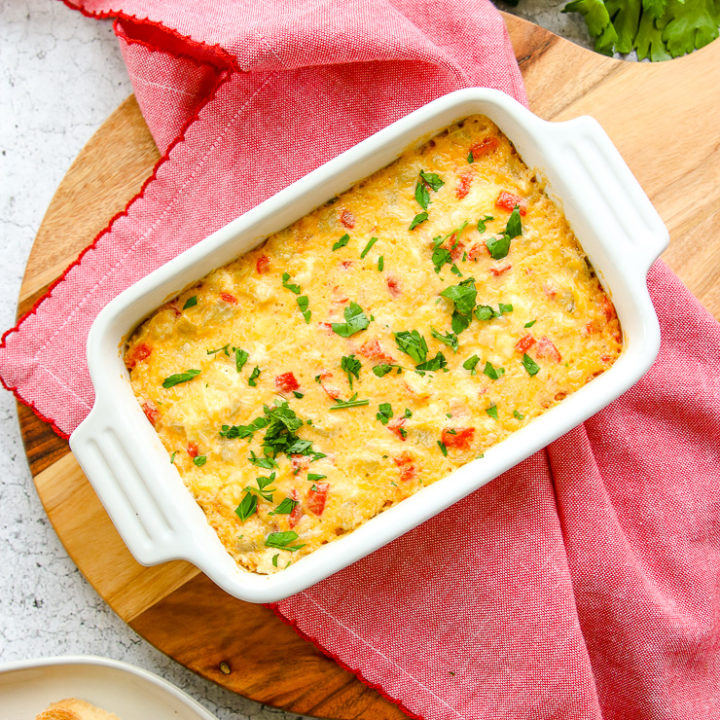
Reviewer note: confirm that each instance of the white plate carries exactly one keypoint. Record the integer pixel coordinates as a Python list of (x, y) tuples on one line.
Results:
[(29, 686)]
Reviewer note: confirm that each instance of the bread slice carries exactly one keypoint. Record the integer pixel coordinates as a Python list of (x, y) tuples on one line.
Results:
[(74, 709)]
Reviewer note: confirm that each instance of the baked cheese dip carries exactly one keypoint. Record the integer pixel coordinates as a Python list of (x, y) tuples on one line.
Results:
[(372, 347)]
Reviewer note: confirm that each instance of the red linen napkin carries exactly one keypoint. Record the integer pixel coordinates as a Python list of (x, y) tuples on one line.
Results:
[(584, 583)]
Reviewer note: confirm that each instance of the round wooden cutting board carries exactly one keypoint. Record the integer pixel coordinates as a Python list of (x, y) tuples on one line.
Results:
[(664, 120)]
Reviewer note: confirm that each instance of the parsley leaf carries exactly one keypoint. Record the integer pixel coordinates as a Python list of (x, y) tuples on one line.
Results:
[(441, 256), (492, 411), (351, 403), (484, 312), (492, 372), (263, 462), (518, 415), (481, 223), (224, 349), (470, 158), (247, 506), (282, 540), (449, 338), (241, 357), (315, 476), (437, 363), (342, 242), (514, 224), (385, 412), (381, 263), (382, 369), (413, 344), (200, 460), (355, 321), (292, 287), (254, 375), (350, 366), (529, 324), (443, 447), (504, 308), (463, 296), (432, 179), (190, 302), (366, 250), (178, 378), (285, 507), (498, 248), (470, 363), (422, 194), (530, 365), (418, 219), (302, 302)]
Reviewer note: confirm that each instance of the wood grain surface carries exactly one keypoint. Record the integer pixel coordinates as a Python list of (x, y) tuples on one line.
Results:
[(662, 117)]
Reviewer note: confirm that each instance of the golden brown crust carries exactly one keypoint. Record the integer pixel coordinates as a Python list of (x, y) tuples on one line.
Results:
[(75, 709)]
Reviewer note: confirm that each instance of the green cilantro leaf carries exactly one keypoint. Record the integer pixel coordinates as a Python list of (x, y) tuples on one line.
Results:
[(382, 369), (351, 367), (254, 375), (275, 559), (481, 223), (355, 321), (413, 344), (441, 256), (282, 540), (385, 412), (492, 372), (200, 460), (432, 179), (529, 324), (381, 263), (504, 308), (366, 249), (241, 357), (492, 411), (303, 302), (485, 312), (315, 476), (437, 363), (449, 338), (422, 194), (470, 158), (514, 224), (290, 286), (418, 219), (224, 349), (498, 248), (443, 447), (263, 462), (178, 378), (285, 507), (351, 403), (247, 506), (530, 365), (342, 242), (190, 302), (518, 415)]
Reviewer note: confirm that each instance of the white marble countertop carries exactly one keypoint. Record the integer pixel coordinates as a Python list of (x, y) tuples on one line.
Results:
[(62, 76)]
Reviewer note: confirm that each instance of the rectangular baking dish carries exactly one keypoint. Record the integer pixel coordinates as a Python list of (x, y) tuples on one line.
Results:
[(125, 461)]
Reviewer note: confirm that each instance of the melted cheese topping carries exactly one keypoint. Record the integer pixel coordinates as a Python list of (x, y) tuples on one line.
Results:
[(542, 328)]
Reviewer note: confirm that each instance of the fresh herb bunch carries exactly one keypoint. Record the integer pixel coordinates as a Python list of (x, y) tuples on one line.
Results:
[(656, 29)]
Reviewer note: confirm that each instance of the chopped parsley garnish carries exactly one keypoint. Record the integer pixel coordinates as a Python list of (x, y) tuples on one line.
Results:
[(351, 403), (407, 413), (355, 321), (485, 312), (241, 357), (292, 287), (263, 462), (441, 256), (381, 263), (285, 507), (518, 415), (463, 295), (384, 413), (470, 363), (492, 411), (275, 559), (254, 375), (315, 476), (418, 219), (247, 506), (504, 308), (448, 338), (432, 179), (500, 247), (298, 395), (244, 431), (443, 447), (530, 365), (470, 158), (282, 540), (342, 242), (351, 367), (481, 223), (200, 460), (422, 194), (190, 302), (382, 370), (302, 302), (437, 363), (413, 344), (366, 249), (178, 378), (492, 372), (224, 349), (172, 457), (455, 270), (529, 324)]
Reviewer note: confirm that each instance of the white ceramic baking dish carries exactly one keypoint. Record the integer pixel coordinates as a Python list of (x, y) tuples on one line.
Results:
[(127, 465)]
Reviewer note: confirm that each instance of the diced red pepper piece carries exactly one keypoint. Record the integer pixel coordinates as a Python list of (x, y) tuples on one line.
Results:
[(192, 449), (477, 250), (228, 298), (525, 343), (455, 246), (396, 426), (346, 264), (263, 264), (372, 350), (151, 412), (508, 201), (393, 286), (463, 186), (297, 512), (497, 271), (317, 497), (547, 350), (332, 392), (347, 219), (459, 438), (139, 353), (484, 147), (286, 383), (406, 464), (607, 308)]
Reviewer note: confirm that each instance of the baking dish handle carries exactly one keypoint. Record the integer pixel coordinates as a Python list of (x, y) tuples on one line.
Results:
[(603, 181), (129, 493)]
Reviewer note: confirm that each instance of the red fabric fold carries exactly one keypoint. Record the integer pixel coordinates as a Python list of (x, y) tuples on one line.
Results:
[(584, 582)]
